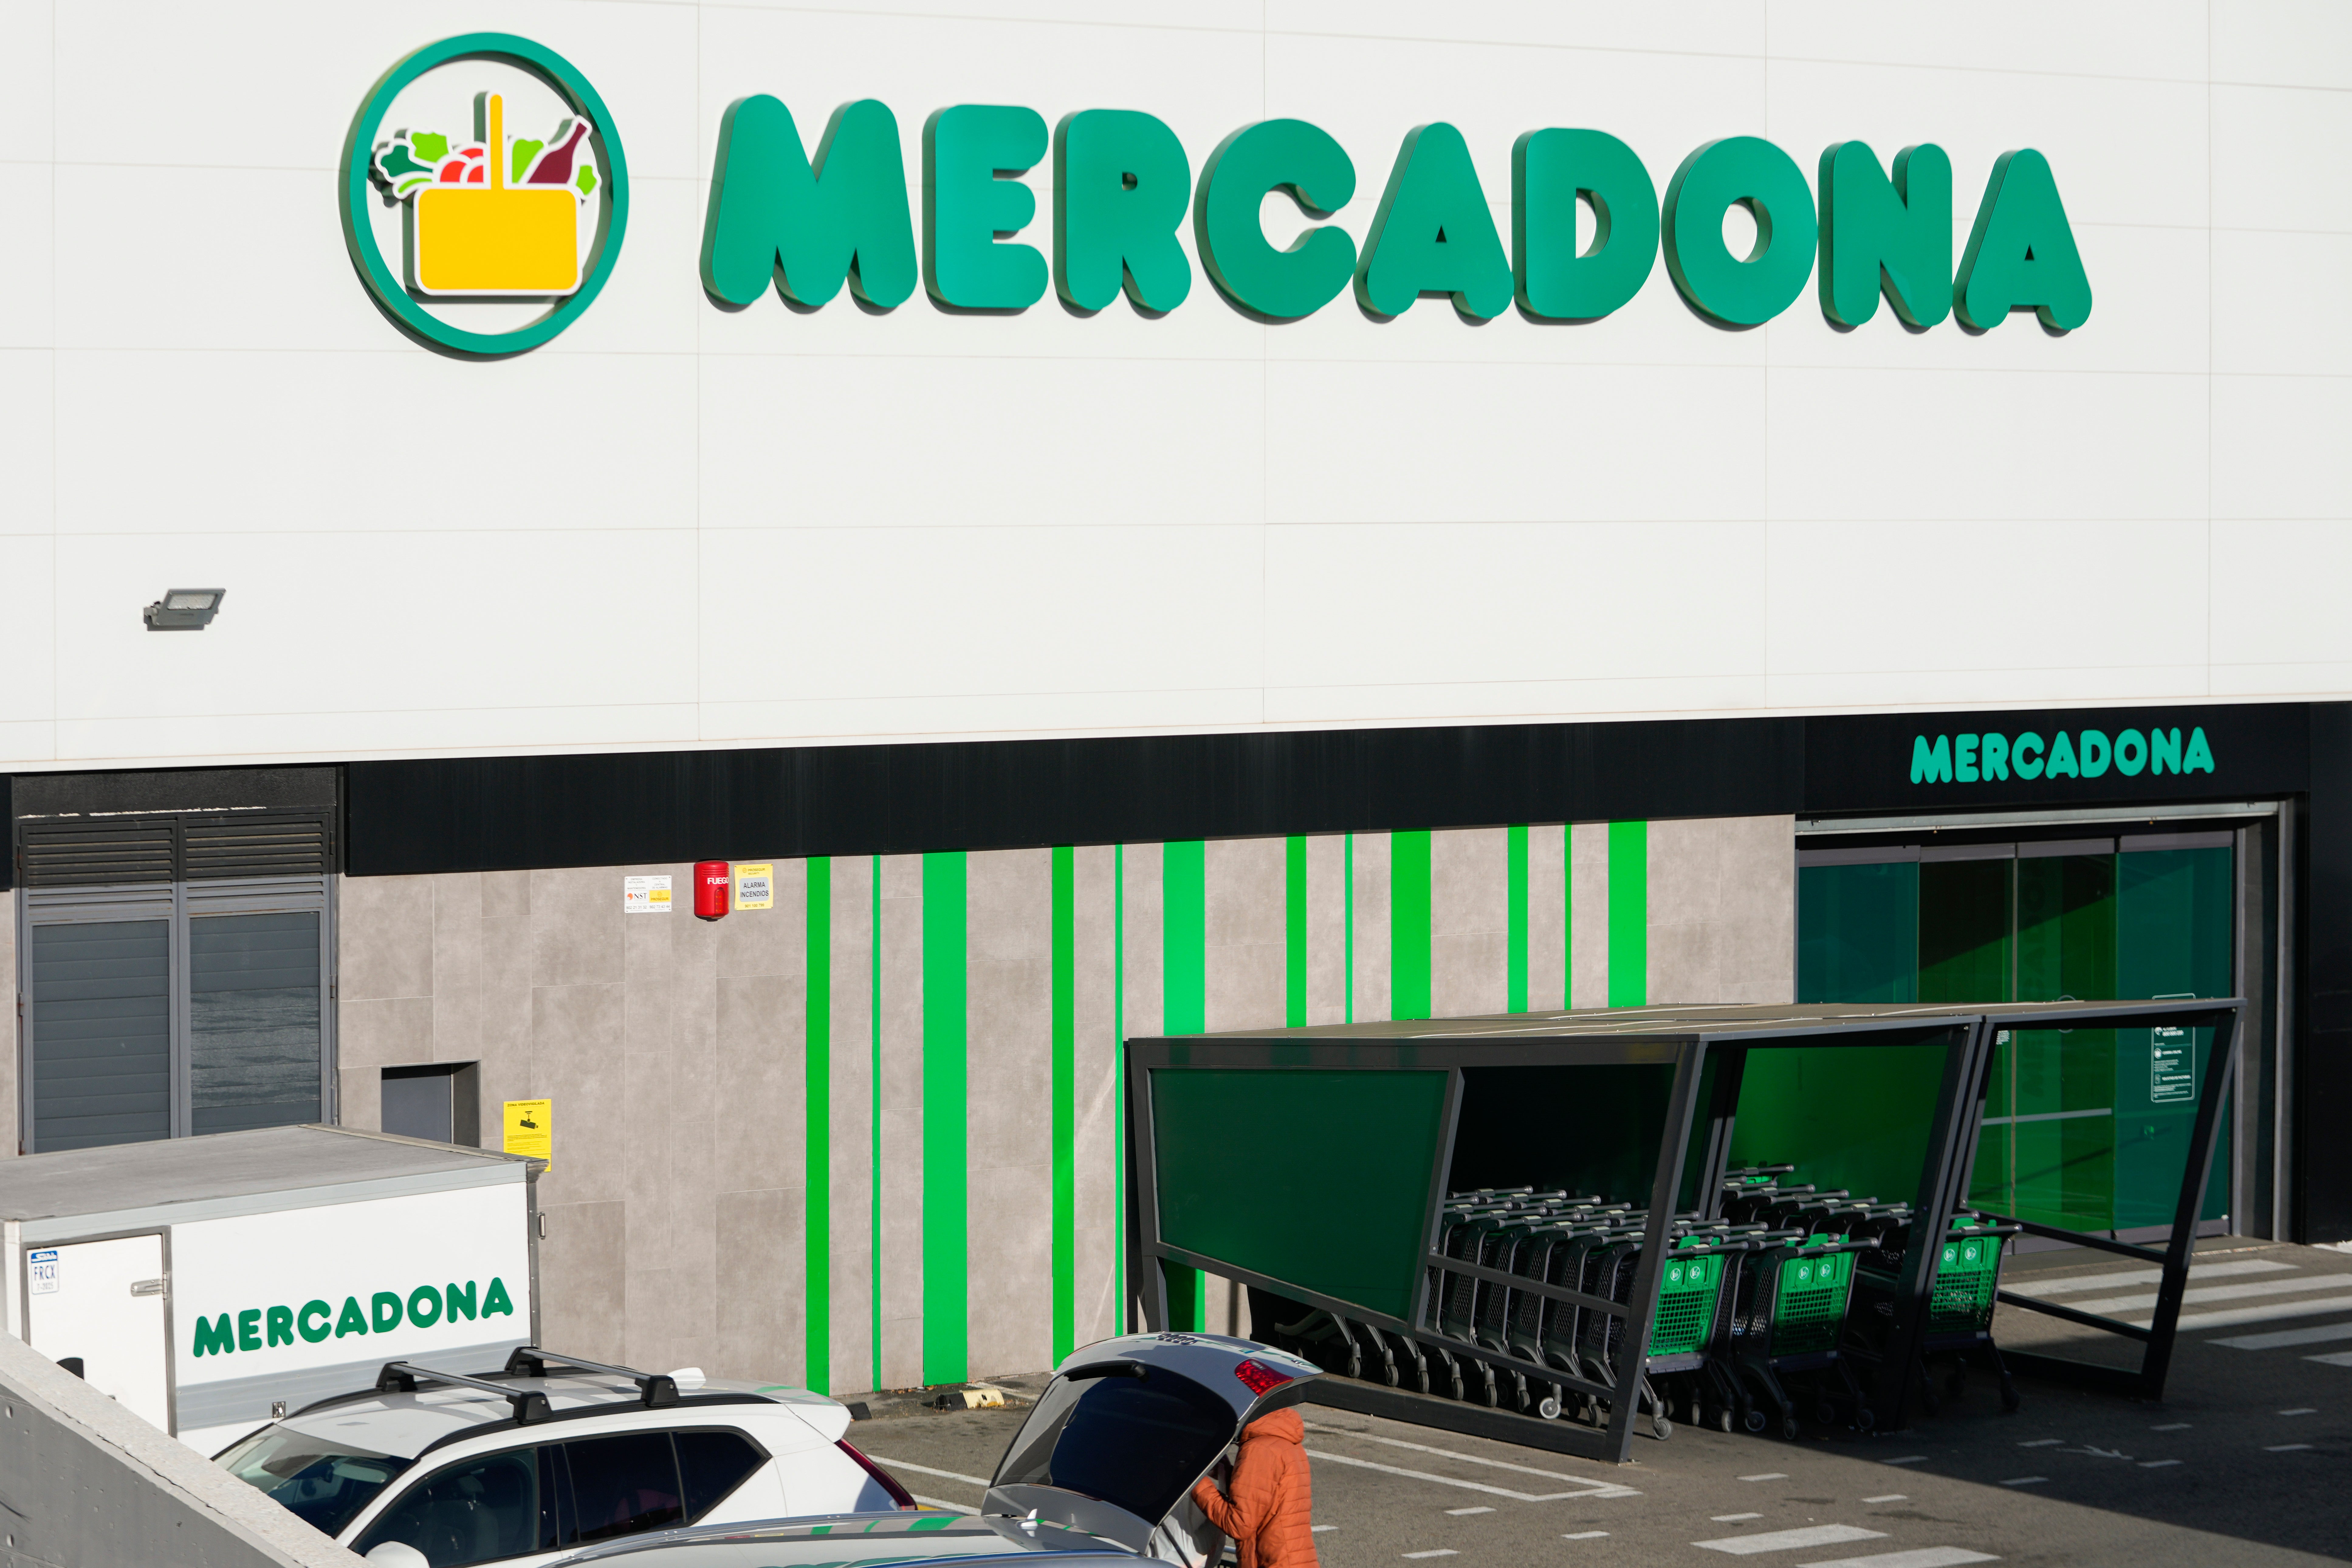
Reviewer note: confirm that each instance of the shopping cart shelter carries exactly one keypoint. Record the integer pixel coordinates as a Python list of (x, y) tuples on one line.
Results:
[(1618, 1213)]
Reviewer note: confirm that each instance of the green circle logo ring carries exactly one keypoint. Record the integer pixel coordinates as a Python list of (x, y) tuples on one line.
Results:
[(491, 211)]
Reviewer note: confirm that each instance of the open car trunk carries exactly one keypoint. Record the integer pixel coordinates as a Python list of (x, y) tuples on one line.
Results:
[(1128, 1426)]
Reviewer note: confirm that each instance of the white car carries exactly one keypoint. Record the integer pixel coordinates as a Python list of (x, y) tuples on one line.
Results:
[(523, 1466)]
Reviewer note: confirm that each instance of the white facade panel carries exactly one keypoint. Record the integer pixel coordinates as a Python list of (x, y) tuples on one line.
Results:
[(678, 524)]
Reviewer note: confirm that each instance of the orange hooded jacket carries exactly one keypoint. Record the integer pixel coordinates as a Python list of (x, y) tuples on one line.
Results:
[(1271, 1514)]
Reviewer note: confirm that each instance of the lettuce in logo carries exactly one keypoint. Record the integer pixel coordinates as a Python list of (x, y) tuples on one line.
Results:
[(529, 217)]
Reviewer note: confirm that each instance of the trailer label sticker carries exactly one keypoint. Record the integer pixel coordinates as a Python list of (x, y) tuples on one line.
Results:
[(44, 1265)]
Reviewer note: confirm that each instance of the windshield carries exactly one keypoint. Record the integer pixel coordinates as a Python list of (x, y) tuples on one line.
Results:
[(320, 1480), (1137, 1444)]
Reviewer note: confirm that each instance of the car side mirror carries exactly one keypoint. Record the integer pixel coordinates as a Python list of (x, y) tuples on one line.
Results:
[(397, 1554)]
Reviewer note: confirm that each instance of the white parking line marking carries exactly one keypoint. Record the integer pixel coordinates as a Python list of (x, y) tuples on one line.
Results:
[(946, 1506), (2042, 1442), (2171, 1427), (2285, 1336), (2193, 1321), (2341, 1358), (1458, 1512), (2302, 1410), (1907, 1460), (2285, 1447), (1734, 1518), (927, 1470), (1452, 1453), (1924, 1557), (1767, 1476), (1585, 1535), (1596, 1489), (2025, 1480), (2143, 1301), (1441, 1552), (1319, 1529), (1790, 1539), (1888, 1497), (2157, 1463), (2028, 1286)]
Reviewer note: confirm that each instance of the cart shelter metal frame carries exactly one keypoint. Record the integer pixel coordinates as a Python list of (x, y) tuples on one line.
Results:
[(1689, 1039)]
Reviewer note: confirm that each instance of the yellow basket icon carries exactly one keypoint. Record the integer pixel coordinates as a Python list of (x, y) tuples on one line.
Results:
[(497, 238)]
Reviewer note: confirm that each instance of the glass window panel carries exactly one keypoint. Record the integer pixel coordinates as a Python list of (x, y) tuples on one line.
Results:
[(1858, 932), (622, 1485), (2175, 924), (714, 1464), (254, 1050), (101, 1024), (476, 1512)]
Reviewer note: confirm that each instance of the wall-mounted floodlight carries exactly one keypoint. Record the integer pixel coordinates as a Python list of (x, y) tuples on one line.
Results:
[(184, 609)]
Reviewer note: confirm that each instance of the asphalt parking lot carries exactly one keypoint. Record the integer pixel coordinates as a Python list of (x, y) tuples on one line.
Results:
[(2244, 1461)]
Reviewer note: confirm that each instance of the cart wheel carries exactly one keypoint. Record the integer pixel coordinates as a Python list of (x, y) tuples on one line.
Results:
[(2009, 1399), (1391, 1375), (1661, 1429), (1548, 1409), (1788, 1428), (1723, 1419), (1825, 1413), (1865, 1417), (1754, 1420)]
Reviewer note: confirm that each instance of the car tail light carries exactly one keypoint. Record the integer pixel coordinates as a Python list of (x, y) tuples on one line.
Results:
[(1260, 1377), (882, 1477)]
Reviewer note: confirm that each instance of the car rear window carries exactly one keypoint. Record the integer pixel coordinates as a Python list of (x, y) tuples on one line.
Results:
[(322, 1481), (712, 1465), (1137, 1444), (623, 1483)]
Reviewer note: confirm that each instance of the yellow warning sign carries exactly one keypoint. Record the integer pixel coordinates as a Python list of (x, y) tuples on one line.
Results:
[(755, 886), (531, 1128)]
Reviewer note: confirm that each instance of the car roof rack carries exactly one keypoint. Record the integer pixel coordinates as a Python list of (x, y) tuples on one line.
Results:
[(400, 1377), (655, 1389)]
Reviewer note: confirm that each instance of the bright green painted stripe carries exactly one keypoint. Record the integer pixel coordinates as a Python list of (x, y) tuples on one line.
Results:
[(817, 1223), (1628, 914), (1294, 903), (1514, 918), (1348, 878), (946, 1217), (1568, 914), (1065, 1103), (1184, 937), (1118, 1087), (874, 1129), (1409, 925)]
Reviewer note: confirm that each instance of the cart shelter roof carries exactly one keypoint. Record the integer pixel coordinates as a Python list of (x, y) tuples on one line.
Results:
[(1734, 1021)]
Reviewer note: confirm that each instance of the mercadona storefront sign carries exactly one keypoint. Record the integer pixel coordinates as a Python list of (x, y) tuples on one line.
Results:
[(501, 217)]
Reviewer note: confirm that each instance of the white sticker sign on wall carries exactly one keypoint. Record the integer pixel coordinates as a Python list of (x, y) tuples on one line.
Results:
[(43, 1265), (644, 895)]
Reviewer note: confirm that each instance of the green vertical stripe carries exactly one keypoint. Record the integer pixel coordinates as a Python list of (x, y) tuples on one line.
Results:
[(945, 1219), (1628, 914), (1348, 877), (1293, 905), (874, 1132), (1118, 1087), (1568, 914), (1409, 925), (1065, 1103), (816, 1222), (1514, 918), (1184, 937)]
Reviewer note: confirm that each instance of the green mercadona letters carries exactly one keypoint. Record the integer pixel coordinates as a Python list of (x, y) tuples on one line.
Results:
[(1587, 223), (262, 1327)]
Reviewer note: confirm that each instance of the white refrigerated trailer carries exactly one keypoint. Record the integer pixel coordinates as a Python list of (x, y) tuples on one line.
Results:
[(207, 1283)]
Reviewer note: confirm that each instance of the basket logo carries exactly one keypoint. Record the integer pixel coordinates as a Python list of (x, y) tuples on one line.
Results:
[(525, 205)]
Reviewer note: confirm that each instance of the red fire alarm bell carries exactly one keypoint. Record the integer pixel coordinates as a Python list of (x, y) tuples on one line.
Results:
[(713, 884)]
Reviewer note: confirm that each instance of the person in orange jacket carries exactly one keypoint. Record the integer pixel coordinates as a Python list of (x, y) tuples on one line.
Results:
[(1271, 1514)]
